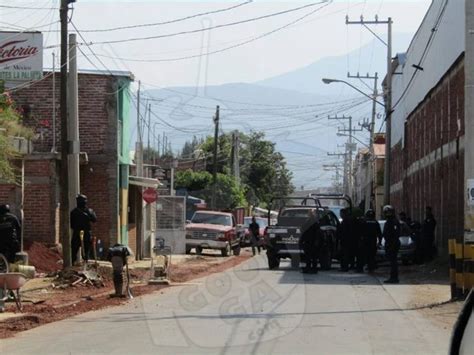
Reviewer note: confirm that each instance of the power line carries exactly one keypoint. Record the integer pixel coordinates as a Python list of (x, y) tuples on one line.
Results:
[(230, 24), (240, 44), (434, 30), (170, 21), (28, 8)]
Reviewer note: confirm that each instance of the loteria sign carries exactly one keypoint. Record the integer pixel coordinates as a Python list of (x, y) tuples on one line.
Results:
[(21, 56)]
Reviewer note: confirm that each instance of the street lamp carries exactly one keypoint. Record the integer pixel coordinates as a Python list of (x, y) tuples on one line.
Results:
[(329, 81)]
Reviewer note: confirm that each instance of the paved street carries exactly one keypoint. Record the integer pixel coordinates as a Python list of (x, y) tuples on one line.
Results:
[(250, 310)]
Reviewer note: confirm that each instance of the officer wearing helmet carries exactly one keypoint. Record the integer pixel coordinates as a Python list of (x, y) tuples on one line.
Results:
[(371, 234), (391, 234), (81, 219)]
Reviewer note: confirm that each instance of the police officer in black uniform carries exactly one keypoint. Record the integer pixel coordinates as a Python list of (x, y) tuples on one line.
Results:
[(81, 219), (428, 234), (10, 233), (349, 236), (391, 234), (309, 243), (371, 235)]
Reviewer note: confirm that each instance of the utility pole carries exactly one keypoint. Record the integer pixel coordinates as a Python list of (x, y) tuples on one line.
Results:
[(64, 180), (345, 170), (336, 168), (235, 156), (371, 127), (139, 171), (73, 124), (214, 159), (374, 103), (388, 95), (149, 130), (349, 148), (163, 143)]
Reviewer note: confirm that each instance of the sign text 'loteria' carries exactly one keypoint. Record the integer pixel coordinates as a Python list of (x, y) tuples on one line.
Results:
[(21, 56)]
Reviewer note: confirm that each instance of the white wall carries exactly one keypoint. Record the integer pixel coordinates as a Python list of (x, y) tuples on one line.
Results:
[(445, 48)]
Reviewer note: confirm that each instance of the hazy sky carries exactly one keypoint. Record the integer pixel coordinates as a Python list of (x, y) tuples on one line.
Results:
[(321, 34), (299, 38)]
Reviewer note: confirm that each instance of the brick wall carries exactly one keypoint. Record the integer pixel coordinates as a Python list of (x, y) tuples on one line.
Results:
[(437, 122), (39, 202), (96, 98), (98, 138)]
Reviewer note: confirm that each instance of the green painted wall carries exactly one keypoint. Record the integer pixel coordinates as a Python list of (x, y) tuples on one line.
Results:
[(124, 102)]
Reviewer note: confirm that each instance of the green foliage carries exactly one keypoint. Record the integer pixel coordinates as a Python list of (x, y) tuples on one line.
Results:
[(199, 184), (10, 126), (263, 170)]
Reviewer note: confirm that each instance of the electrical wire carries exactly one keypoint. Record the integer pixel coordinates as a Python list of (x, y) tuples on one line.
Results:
[(230, 24), (433, 33), (170, 21), (240, 44)]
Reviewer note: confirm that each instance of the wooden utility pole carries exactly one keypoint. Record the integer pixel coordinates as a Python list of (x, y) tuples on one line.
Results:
[(214, 162), (63, 178)]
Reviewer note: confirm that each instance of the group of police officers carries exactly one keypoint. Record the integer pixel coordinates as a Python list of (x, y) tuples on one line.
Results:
[(360, 237)]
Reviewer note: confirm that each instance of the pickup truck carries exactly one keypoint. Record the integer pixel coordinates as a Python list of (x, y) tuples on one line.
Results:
[(214, 230), (283, 239)]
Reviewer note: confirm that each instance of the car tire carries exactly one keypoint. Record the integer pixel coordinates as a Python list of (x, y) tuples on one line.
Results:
[(198, 250), (236, 250), (295, 262), (225, 251)]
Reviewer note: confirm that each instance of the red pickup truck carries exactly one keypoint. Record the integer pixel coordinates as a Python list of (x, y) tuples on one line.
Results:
[(214, 230)]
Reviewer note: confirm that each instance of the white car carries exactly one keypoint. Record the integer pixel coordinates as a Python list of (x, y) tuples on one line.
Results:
[(407, 244)]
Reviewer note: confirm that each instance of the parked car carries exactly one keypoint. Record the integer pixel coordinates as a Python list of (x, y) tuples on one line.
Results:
[(282, 239), (213, 230), (262, 222), (407, 245)]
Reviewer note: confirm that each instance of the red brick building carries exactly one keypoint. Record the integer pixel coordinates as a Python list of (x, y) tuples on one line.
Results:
[(103, 131), (427, 166)]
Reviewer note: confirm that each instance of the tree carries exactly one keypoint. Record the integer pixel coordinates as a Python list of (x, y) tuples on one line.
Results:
[(199, 184), (10, 126), (191, 146), (263, 170)]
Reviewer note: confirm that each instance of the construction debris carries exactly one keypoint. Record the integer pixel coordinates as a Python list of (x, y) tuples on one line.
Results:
[(73, 278)]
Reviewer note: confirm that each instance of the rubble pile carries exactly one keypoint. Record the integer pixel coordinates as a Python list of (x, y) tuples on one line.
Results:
[(74, 278)]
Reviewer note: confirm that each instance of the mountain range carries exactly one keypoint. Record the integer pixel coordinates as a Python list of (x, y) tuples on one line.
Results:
[(291, 108)]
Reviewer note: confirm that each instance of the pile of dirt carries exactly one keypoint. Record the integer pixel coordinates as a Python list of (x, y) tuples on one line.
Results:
[(43, 258)]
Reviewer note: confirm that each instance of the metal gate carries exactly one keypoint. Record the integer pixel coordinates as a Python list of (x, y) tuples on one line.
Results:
[(171, 222)]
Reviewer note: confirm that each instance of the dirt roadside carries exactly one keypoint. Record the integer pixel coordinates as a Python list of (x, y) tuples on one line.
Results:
[(426, 289), (46, 304)]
